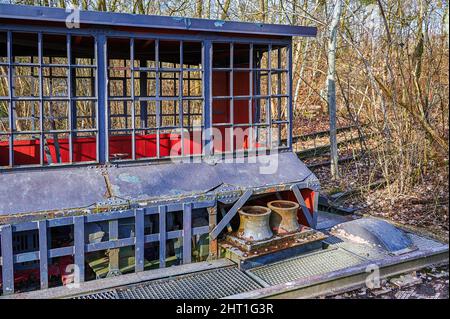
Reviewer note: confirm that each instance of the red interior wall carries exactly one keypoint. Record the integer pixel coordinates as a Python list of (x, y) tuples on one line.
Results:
[(26, 152), (221, 108)]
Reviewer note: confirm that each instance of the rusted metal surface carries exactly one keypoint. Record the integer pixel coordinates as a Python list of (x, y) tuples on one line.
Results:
[(284, 216), (84, 189), (254, 223), (277, 248)]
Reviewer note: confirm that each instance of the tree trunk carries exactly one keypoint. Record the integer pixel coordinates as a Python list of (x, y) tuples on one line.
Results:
[(331, 87)]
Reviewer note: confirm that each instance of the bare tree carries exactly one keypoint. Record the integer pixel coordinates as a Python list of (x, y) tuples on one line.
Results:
[(331, 87)]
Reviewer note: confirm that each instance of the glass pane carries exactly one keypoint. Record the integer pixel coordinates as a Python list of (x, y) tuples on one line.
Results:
[(192, 55), (25, 47), (55, 81), (3, 47), (26, 81), (144, 53), (82, 50), (260, 56), (221, 55), (54, 49), (169, 54), (241, 55)]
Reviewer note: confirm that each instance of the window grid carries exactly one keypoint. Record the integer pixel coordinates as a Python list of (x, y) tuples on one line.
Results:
[(39, 129), (162, 73), (254, 69)]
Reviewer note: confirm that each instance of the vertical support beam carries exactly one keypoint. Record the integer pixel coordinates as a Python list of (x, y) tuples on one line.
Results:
[(139, 240), (78, 225), (72, 119), (231, 133), (143, 79), (207, 97), (133, 110), (43, 253), (158, 102), (180, 99), (187, 233), (269, 100), (7, 259), (113, 227), (213, 247), (289, 91), (10, 102), (102, 98), (162, 236), (250, 102)]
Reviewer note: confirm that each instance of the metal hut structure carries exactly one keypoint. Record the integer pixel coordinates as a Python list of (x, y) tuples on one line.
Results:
[(130, 142)]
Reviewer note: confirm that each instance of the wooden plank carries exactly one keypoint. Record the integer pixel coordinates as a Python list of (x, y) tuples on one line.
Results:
[(187, 233), (233, 210), (43, 253), (139, 245)]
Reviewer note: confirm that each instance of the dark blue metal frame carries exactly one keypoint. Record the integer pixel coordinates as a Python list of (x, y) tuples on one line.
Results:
[(46, 14), (101, 90), (80, 248)]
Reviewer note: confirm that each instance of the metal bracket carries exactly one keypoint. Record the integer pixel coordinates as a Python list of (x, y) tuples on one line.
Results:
[(312, 221), (227, 218)]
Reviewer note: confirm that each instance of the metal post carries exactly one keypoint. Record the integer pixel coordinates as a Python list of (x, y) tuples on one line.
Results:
[(187, 233), (113, 254), (213, 246), (207, 93), (43, 253), (139, 240), (289, 91), (162, 236), (133, 115), (78, 226), (10, 106), (7, 259), (102, 99), (158, 102), (231, 133), (72, 104)]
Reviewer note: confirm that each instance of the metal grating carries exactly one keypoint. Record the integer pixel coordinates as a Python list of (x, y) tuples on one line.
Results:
[(109, 294), (423, 243), (313, 264), (212, 284)]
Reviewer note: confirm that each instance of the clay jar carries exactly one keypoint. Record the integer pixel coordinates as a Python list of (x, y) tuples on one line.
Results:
[(254, 223), (283, 219)]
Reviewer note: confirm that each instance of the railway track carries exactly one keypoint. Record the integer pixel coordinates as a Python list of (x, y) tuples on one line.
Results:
[(322, 150)]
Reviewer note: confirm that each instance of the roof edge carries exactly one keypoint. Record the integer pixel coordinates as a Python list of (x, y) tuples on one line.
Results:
[(39, 13)]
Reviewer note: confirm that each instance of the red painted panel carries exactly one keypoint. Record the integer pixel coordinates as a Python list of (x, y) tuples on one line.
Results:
[(26, 152)]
